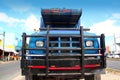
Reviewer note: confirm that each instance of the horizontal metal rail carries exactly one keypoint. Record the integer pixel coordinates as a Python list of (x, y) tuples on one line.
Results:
[(92, 48), (35, 36), (64, 29), (93, 55), (66, 35), (62, 74), (63, 48), (87, 36), (35, 48), (35, 55), (64, 55)]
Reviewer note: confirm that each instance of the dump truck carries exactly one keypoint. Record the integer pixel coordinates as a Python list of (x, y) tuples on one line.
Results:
[(62, 49)]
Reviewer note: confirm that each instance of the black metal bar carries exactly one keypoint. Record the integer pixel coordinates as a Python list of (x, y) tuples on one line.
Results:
[(64, 48), (64, 35), (65, 55), (82, 51), (73, 55), (92, 48), (62, 74), (35, 48), (103, 58), (34, 55), (91, 36), (35, 35), (64, 29), (23, 64), (47, 51), (62, 55), (86, 36), (23, 46)]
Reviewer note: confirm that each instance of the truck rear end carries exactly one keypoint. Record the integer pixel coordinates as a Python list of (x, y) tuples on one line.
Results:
[(62, 50)]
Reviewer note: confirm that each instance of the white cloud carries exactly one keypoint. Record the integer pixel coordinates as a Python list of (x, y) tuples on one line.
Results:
[(17, 6), (107, 27), (116, 15), (9, 20), (9, 38), (32, 23), (1, 29), (20, 9)]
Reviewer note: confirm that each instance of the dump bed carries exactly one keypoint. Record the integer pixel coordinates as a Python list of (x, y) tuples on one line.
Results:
[(61, 17)]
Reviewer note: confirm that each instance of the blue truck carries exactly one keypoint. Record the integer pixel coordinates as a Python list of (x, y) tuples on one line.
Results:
[(62, 49)]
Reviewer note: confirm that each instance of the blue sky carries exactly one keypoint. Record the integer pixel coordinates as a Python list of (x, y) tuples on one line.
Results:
[(101, 16)]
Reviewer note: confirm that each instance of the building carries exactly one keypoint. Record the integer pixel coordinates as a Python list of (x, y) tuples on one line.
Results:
[(7, 45), (117, 43)]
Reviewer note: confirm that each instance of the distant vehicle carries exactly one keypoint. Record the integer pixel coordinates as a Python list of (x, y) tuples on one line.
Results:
[(116, 56), (113, 56), (110, 56)]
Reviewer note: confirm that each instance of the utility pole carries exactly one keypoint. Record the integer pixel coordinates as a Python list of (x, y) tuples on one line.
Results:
[(3, 46), (3, 42), (115, 42)]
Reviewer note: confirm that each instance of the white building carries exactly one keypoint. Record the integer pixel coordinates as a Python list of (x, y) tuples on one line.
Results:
[(117, 43)]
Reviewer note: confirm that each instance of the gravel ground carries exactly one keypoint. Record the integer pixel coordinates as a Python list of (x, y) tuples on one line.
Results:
[(108, 76), (1, 62), (111, 74)]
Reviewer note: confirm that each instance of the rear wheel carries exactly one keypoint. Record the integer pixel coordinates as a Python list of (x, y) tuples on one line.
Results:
[(97, 77), (31, 77), (27, 77), (93, 77)]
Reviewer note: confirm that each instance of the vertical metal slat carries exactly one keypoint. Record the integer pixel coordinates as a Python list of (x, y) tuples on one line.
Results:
[(102, 41), (23, 64), (47, 51), (82, 51)]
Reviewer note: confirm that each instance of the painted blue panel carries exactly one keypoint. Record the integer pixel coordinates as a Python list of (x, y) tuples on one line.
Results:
[(32, 43)]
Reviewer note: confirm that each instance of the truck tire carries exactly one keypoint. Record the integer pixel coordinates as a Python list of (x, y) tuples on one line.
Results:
[(35, 77), (27, 77), (31, 77), (93, 77), (97, 77)]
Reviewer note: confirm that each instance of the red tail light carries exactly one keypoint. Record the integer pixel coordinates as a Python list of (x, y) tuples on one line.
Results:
[(46, 10), (55, 10), (77, 67), (66, 10)]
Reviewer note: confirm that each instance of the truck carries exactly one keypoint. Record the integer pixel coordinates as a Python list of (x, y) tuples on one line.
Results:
[(62, 49)]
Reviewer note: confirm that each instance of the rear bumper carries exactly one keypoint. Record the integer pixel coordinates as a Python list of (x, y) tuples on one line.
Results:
[(53, 68), (59, 67)]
